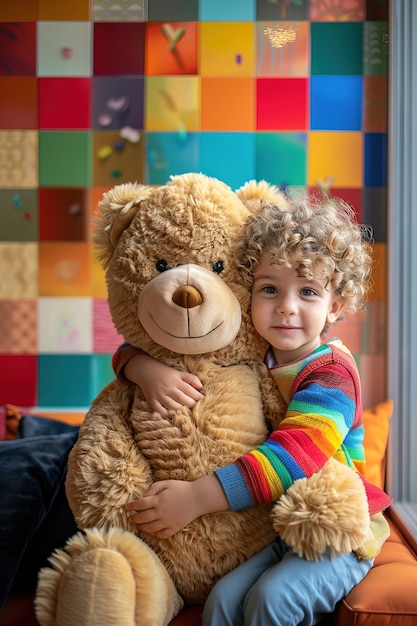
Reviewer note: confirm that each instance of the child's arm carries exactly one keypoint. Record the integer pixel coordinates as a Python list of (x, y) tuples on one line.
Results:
[(304, 441), (166, 389)]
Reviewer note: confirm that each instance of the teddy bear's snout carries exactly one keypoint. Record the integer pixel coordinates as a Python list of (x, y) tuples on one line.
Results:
[(187, 296)]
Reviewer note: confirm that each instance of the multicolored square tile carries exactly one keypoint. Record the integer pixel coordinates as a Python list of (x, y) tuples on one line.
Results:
[(295, 93)]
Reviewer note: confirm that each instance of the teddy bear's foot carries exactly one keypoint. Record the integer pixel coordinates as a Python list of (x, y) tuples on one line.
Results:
[(328, 511), (105, 578)]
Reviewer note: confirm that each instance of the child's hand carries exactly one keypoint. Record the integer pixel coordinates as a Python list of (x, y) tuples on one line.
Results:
[(165, 388), (169, 505), (165, 509)]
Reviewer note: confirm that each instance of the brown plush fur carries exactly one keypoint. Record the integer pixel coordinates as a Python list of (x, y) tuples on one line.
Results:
[(192, 224)]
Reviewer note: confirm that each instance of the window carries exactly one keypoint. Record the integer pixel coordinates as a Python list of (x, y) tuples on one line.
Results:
[(402, 251)]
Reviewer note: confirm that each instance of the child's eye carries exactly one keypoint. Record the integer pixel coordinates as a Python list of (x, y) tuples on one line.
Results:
[(307, 291), (269, 289)]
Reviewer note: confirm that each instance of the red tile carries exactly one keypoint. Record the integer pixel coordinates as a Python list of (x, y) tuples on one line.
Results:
[(18, 379), (18, 48), (64, 103), (63, 214), (126, 58), (282, 103)]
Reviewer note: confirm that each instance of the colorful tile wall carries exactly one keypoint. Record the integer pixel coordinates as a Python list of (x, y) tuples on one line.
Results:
[(99, 92)]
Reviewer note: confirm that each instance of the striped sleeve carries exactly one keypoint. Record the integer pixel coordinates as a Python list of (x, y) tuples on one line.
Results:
[(318, 419), (123, 354)]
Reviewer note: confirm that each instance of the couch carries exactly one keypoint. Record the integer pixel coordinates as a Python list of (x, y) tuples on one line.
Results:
[(386, 597)]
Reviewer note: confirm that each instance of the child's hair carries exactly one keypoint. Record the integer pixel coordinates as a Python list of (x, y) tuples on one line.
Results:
[(319, 237)]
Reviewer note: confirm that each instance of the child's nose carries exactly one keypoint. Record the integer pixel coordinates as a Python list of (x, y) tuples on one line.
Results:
[(287, 305)]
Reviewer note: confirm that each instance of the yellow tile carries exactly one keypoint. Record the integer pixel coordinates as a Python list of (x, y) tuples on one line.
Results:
[(336, 156), (227, 48), (172, 104)]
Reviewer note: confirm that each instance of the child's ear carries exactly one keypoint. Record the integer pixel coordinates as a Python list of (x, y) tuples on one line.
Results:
[(335, 310)]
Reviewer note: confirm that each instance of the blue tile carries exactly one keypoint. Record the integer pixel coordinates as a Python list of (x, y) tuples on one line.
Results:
[(376, 159), (169, 154), (228, 156), (230, 11), (336, 102)]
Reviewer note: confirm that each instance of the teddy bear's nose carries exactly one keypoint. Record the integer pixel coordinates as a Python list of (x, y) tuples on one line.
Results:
[(187, 297)]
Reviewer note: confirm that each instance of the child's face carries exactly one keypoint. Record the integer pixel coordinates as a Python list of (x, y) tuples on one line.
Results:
[(291, 312)]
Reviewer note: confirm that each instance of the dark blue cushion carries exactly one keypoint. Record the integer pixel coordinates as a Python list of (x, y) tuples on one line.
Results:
[(36, 426), (34, 514)]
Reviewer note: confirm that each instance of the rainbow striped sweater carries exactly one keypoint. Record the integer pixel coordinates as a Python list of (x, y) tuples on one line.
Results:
[(323, 420)]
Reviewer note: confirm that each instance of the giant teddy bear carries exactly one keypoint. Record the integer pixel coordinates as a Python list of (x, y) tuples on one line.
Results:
[(174, 290)]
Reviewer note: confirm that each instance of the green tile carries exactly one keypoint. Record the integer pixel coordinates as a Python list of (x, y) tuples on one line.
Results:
[(375, 49), (281, 158), (336, 48), (64, 380), (102, 372), (65, 159), (18, 215)]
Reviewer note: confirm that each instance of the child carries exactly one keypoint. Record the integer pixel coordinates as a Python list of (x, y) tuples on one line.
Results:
[(307, 266)]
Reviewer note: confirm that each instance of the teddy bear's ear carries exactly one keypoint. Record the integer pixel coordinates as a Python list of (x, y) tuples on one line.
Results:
[(115, 212), (255, 193)]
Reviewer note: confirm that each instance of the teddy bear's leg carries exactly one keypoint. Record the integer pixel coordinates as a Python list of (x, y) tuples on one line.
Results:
[(105, 578)]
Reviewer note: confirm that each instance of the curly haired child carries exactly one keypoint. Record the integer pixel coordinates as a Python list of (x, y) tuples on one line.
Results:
[(307, 267)]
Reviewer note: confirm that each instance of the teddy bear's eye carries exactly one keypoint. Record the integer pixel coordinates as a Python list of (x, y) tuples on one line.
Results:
[(162, 265), (218, 267)]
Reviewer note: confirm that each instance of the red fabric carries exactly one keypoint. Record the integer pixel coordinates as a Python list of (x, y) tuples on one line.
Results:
[(122, 355)]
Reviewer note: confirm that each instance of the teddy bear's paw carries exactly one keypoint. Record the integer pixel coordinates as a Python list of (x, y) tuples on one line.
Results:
[(326, 512), (103, 578)]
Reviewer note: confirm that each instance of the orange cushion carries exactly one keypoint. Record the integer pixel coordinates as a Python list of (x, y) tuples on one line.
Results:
[(13, 414), (376, 422)]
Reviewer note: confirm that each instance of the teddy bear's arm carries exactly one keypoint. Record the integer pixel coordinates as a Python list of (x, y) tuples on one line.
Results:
[(105, 468)]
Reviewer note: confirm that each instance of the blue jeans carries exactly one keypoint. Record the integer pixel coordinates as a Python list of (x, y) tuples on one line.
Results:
[(278, 588)]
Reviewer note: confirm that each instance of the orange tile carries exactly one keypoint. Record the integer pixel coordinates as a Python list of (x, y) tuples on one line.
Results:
[(53, 10), (19, 102), (64, 269), (98, 279), (22, 11), (165, 57), (228, 104)]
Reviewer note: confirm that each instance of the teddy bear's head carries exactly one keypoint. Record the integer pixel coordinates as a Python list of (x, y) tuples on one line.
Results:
[(171, 272)]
